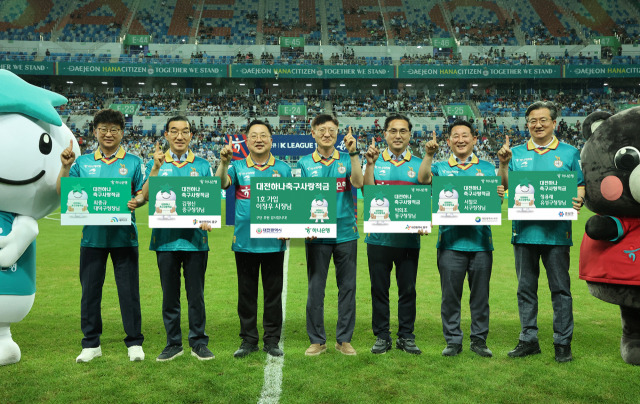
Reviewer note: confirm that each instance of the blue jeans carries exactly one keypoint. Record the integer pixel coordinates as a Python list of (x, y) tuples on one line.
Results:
[(556, 262)]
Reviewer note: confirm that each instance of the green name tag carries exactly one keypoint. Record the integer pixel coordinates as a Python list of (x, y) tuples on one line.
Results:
[(184, 202), (95, 201), (466, 201), (293, 207), (397, 208), (542, 195)]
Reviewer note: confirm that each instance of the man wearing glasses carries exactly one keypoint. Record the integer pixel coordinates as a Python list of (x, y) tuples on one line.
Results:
[(176, 248), (98, 242), (395, 165), (549, 240), (255, 254), (326, 161)]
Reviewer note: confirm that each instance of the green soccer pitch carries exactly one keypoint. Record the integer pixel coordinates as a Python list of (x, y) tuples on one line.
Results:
[(50, 340)]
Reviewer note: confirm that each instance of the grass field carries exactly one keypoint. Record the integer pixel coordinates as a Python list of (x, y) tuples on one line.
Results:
[(50, 340)]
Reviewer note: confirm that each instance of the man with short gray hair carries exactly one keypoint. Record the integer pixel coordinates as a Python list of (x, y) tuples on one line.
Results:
[(548, 240)]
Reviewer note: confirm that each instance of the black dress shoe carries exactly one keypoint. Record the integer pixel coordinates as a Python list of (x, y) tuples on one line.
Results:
[(452, 350), (525, 348), (479, 346), (244, 350), (563, 353), (408, 345), (381, 346), (273, 350)]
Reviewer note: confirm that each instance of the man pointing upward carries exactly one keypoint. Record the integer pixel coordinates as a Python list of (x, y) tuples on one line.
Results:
[(463, 249)]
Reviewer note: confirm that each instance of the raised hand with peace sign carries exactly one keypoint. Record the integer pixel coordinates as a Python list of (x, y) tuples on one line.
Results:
[(226, 154), (158, 157)]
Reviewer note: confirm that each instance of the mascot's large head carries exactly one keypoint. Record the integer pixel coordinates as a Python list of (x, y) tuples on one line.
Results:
[(32, 136), (611, 162)]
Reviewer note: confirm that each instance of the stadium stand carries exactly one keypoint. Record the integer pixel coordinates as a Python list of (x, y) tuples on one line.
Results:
[(228, 21)]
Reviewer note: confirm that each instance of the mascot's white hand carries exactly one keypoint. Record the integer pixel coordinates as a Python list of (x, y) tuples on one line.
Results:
[(23, 232)]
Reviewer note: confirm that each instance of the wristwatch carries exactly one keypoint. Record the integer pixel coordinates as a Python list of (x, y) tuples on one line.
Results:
[(354, 153)]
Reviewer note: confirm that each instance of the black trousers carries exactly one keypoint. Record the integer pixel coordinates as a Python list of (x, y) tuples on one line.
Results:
[(381, 260), (248, 266), (93, 267), (194, 264)]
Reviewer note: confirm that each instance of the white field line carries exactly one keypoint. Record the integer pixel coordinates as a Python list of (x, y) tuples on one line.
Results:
[(272, 387)]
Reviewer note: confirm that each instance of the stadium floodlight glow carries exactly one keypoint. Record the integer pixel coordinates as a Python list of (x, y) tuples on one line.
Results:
[(276, 84), (69, 82), (374, 85), (174, 84), (208, 84), (104, 82), (441, 85), (407, 85), (342, 85), (242, 84), (474, 85), (141, 83), (606, 84), (308, 85)]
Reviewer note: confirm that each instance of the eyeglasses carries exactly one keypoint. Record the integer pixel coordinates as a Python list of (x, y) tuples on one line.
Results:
[(113, 131), (543, 121), (175, 133), (263, 136), (396, 131), (331, 131)]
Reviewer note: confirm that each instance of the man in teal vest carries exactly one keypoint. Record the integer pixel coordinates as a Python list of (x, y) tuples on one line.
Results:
[(549, 240), (395, 165), (463, 249), (327, 161), (176, 248), (109, 160), (255, 255)]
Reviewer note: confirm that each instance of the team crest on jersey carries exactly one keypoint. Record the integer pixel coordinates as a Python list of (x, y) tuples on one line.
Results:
[(558, 163), (479, 173), (123, 170), (276, 174), (411, 173), (341, 168), (193, 172)]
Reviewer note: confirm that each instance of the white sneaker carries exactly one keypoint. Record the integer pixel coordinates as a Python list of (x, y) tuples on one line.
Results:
[(88, 354), (136, 353)]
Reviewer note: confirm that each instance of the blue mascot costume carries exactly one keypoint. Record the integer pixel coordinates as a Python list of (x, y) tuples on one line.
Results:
[(32, 136)]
